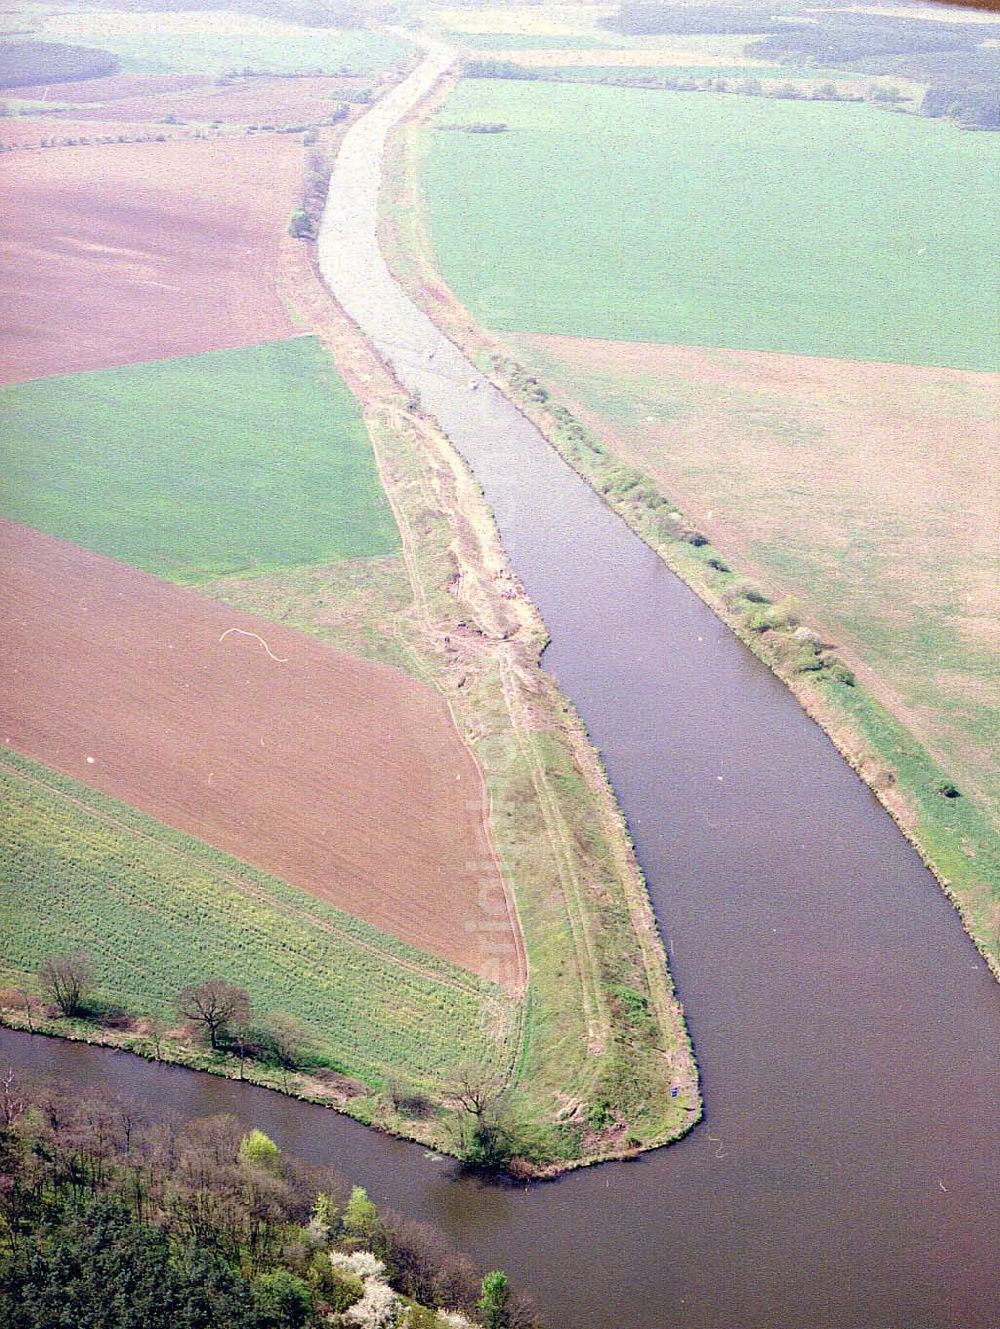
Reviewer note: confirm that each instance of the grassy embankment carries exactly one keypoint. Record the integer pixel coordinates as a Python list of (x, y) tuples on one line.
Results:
[(598, 1042), (804, 288)]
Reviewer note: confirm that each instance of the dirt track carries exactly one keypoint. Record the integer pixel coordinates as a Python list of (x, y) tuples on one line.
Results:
[(120, 253), (338, 775)]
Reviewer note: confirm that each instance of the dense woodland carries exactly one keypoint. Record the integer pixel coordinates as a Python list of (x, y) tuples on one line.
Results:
[(110, 1220)]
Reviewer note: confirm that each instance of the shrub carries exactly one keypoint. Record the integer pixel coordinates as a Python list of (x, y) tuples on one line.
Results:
[(340, 1288), (767, 618), (837, 671), (282, 1300), (407, 1099), (300, 226), (259, 1150), (748, 591)]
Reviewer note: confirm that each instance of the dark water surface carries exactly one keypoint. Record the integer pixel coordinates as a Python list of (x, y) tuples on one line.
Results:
[(847, 1175)]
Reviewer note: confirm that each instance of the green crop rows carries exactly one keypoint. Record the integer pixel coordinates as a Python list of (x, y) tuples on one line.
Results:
[(232, 461), (157, 909)]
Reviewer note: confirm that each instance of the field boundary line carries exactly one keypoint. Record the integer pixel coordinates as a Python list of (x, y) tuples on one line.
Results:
[(245, 888)]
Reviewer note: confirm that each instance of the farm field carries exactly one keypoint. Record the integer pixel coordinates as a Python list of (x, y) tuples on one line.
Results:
[(241, 470), (342, 777), (212, 42), (113, 87), (867, 491), (255, 101), (20, 131), (232, 461), (119, 253), (153, 907), (543, 20), (568, 27), (685, 59), (855, 491), (713, 220)]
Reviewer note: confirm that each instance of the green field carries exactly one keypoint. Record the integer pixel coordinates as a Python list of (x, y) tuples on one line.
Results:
[(220, 42), (157, 910), (809, 227), (233, 461)]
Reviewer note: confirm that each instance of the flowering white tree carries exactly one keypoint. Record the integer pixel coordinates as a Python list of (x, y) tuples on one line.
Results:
[(380, 1307)]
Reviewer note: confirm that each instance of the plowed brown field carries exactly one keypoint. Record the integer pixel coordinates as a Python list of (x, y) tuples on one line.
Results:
[(341, 776), (128, 252), (245, 101)]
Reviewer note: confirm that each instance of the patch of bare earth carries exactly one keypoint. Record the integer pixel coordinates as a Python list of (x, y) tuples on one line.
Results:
[(121, 253), (344, 777)]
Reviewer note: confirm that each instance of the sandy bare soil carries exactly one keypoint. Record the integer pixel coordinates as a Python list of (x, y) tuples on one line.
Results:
[(341, 776), (120, 253)]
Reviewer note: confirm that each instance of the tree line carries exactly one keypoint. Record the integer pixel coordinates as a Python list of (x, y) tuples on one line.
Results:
[(215, 1010), (486, 1131)]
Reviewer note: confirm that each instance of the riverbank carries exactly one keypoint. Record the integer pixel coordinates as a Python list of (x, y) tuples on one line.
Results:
[(951, 835), (594, 1058), (604, 1069)]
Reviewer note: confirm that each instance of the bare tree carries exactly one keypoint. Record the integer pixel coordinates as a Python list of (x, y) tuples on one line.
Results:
[(67, 978), (488, 1127), (476, 1087), (29, 1008), (11, 1102), (215, 1005), (287, 1040), (157, 1028)]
